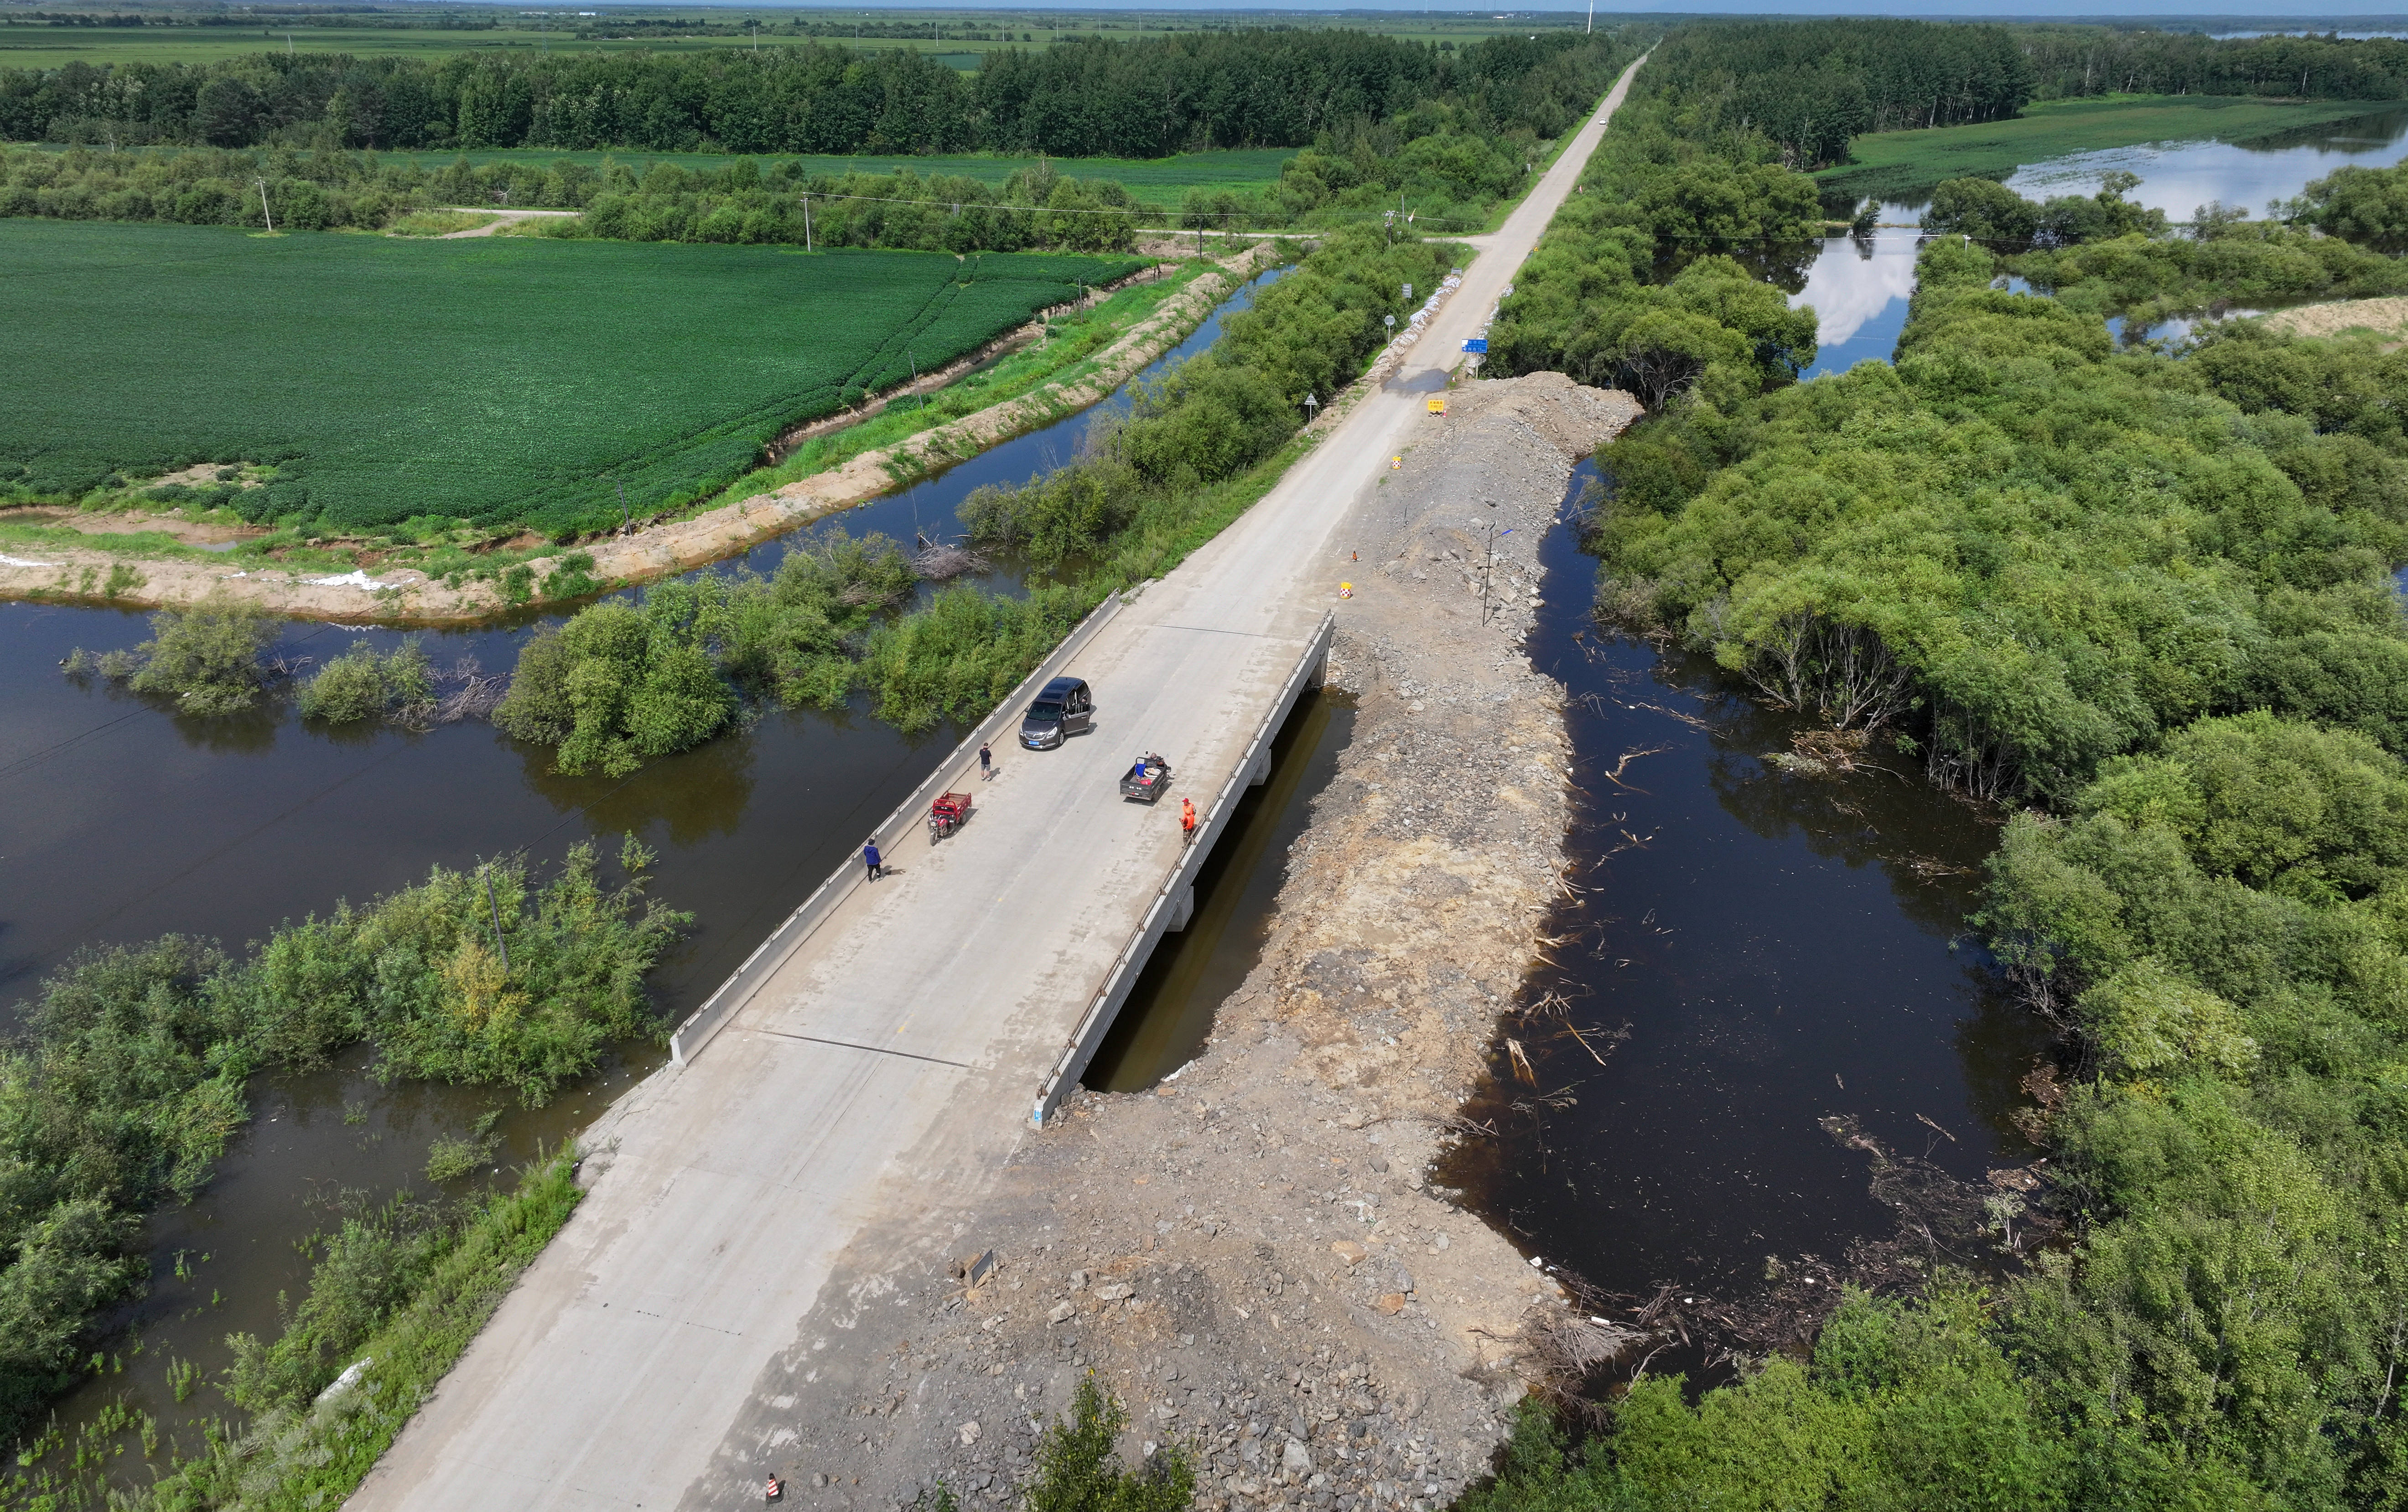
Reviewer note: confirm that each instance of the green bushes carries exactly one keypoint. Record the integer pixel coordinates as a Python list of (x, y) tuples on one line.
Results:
[(362, 684), (2365, 206), (2221, 923), (210, 658), (1036, 207), (618, 683), (957, 656), (1220, 413), (1987, 211), (1901, 1406), (1078, 1464), (627, 680), (402, 1292), (1592, 301), (130, 1078), (1970, 513)]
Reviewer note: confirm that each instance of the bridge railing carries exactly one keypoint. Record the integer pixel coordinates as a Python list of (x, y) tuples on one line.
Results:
[(763, 964), (1174, 901)]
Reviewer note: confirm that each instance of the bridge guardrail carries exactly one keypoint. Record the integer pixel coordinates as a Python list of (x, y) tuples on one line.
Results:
[(771, 953), (1104, 1005)]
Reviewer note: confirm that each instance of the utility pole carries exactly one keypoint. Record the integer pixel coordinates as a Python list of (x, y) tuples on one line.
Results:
[(807, 222), (264, 212), (1592, 17), (1489, 571), (627, 516)]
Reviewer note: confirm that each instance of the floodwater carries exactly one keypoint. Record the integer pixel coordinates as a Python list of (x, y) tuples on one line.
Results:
[(1169, 1014), (1753, 952), (1859, 285), (127, 821)]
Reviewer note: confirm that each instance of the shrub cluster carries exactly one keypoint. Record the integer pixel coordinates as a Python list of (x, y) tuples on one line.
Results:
[(210, 658), (364, 684), (629, 679), (130, 1078), (1662, 194)]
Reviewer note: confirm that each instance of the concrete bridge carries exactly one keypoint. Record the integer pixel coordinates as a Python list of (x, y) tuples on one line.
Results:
[(884, 1051)]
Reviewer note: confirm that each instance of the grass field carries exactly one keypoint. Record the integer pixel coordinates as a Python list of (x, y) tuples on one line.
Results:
[(1897, 163), (506, 382)]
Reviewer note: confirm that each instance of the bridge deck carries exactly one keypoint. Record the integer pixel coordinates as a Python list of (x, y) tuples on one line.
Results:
[(887, 1066)]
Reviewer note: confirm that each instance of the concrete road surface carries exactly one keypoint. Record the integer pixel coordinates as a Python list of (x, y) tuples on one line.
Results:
[(888, 1067)]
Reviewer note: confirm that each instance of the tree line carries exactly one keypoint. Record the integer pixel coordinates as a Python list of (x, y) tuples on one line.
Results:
[(1089, 97), (2142, 600), (1810, 86), (2075, 61)]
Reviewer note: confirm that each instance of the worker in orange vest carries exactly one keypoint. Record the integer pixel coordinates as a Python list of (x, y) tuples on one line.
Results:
[(1187, 817)]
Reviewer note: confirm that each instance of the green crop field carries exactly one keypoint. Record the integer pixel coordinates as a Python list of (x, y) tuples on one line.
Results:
[(1900, 163), (504, 381)]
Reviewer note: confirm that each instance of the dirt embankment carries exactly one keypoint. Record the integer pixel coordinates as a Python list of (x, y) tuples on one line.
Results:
[(1252, 1257), (2387, 317), (407, 597)]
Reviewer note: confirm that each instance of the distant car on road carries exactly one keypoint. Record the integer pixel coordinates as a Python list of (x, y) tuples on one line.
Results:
[(1065, 709)]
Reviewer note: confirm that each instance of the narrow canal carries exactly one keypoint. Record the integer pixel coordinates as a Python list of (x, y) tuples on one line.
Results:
[(1755, 950)]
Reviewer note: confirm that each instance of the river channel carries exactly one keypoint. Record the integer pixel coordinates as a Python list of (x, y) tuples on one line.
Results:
[(1859, 285), (127, 821)]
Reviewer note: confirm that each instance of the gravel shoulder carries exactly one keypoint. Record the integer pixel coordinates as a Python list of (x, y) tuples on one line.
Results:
[(1251, 1255)]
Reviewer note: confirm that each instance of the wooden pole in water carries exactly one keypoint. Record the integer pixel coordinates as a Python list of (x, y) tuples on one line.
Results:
[(499, 944)]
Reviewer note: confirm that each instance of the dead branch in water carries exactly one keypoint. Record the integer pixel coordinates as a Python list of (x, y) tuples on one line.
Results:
[(1521, 1061), (1613, 1040), (1615, 776), (939, 563)]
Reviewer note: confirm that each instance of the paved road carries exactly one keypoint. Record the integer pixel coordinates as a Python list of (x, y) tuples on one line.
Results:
[(887, 1068)]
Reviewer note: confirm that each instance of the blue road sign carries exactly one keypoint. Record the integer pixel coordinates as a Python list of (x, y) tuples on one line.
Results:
[(1478, 344)]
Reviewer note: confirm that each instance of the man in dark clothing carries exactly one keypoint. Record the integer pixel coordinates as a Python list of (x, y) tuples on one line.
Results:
[(869, 858), (986, 761)]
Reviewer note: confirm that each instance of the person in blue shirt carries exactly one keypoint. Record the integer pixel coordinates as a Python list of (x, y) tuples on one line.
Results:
[(869, 858)]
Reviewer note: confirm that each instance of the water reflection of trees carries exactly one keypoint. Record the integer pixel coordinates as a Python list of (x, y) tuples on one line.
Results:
[(697, 793), (1782, 264)]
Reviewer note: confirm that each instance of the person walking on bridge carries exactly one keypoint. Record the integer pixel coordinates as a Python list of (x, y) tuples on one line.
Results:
[(869, 858), (1187, 820), (986, 763)]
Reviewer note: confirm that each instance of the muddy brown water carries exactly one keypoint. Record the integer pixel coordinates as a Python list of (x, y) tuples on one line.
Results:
[(127, 821)]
